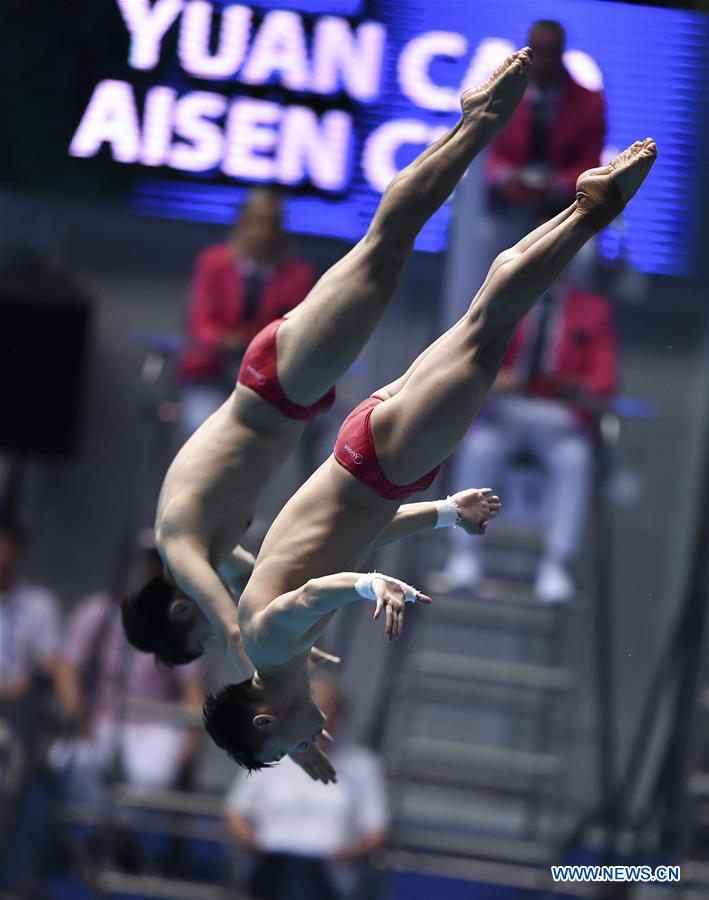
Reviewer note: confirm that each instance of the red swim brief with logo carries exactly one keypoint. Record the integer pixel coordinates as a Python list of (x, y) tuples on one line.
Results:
[(354, 451), (259, 372)]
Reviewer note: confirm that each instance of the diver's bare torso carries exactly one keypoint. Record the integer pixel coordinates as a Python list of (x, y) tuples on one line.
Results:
[(328, 526), (212, 486)]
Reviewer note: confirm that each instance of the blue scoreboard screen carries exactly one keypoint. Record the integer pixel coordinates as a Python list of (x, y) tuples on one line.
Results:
[(329, 98)]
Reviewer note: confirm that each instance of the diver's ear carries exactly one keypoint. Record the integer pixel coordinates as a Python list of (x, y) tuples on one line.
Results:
[(181, 609), (264, 721)]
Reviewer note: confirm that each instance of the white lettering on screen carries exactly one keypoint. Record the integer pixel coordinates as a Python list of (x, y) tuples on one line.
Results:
[(346, 59), (111, 118), (147, 26), (415, 62), (262, 140), (278, 48), (194, 43), (202, 144), (341, 57), (259, 140), (251, 139), (319, 149), (157, 126), (584, 69)]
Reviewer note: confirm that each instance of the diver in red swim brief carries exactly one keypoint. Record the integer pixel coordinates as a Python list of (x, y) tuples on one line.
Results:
[(307, 566), (259, 372), (354, 450), (211, 489)]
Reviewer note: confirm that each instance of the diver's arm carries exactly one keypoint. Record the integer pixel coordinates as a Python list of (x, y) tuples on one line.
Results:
[(410, 518), (470, 509), (237, 568), (289, 617), (194, 575)]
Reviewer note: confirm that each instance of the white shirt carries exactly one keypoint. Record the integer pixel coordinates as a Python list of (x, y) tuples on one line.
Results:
[(29, 631), (291, 813)]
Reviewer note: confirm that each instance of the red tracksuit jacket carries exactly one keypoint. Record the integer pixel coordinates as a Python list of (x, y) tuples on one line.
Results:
[(583, 347), (575, 137), (217, 305)]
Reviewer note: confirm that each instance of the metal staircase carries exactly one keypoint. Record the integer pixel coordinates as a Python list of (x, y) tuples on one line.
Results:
[(481, 726)]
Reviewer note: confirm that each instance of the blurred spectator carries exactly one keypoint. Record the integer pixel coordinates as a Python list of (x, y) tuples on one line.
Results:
[(555, 133), (32, 678), (561, 366), (307, 836), (29, 634), (151, 753), (238, 288)]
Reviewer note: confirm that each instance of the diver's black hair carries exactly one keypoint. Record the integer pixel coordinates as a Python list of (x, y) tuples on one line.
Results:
[(148, 626), (228, 718)]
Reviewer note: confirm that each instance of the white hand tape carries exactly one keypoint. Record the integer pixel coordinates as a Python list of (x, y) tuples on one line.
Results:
[(448, 513), (364, 588)]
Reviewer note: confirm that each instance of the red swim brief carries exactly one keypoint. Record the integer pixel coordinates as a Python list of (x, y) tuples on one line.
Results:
[(260, 373), (354, 451)]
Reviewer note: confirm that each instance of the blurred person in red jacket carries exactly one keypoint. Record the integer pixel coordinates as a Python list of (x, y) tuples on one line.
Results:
[(238, 287), (561, 366), (556, 132)]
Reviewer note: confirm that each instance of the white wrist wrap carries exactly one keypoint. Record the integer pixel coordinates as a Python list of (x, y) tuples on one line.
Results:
[(448, 513), (363, 586)]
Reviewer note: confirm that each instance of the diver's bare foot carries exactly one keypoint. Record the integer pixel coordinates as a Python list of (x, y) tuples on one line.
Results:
[(603, 192), (476, 507), (488, 106)]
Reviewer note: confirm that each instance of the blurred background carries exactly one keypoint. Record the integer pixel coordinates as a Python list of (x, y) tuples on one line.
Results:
[(173, 175)]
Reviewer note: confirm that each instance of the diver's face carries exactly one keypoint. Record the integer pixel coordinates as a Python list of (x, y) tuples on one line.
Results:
[(293, 731), (184, 609)]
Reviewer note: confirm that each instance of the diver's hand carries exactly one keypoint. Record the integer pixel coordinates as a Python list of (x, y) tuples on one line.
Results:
[(391, 595), (476, 506), (316, 764)]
